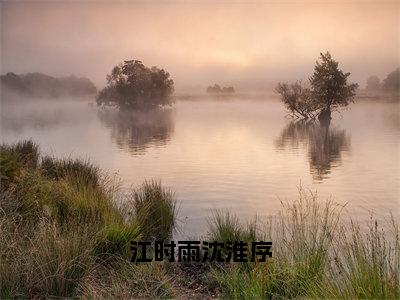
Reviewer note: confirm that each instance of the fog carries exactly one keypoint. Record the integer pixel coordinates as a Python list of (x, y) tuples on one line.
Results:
[(250, 45)]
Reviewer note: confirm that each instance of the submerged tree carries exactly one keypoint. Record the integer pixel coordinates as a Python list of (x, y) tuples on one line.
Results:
[(133, 85), (328, 90)]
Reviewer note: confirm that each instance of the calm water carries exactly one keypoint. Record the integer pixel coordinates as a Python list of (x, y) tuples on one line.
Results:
[(241, 155)]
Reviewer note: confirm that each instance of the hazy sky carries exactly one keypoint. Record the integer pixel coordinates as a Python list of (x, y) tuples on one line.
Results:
[(250, 44)]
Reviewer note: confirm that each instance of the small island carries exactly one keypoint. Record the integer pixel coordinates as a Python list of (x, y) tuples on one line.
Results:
[(132, 85), (216, 89)]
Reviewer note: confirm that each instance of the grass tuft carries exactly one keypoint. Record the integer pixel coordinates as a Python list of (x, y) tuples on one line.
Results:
[(84, 171), (14, 157), (114, 240), (155, 210)]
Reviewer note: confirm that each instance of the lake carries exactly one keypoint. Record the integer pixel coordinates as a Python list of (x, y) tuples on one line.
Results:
[(242, 155)]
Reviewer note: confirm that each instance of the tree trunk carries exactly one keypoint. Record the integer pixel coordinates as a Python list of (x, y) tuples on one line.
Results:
[(324, 117)]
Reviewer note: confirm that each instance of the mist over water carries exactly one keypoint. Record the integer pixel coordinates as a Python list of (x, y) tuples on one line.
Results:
[(238, 152), (242, 155)]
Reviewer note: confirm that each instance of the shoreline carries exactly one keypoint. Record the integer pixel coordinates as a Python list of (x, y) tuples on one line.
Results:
[(66, 236)]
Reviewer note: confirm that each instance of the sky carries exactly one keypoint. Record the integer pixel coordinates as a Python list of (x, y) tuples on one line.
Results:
[(251, 45)]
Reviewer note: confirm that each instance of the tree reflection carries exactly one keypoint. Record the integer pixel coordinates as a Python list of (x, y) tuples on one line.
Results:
[(324, 144), (136, 131)]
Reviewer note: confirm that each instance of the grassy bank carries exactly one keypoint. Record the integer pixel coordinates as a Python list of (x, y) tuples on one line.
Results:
[(65, 233), (316, 254)]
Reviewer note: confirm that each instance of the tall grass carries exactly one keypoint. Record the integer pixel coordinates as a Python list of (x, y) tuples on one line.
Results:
[(224, 227), (60, 225), (155, 210), (366, 263), (84, 171), (14, 157), (130, 281), (315, 254)]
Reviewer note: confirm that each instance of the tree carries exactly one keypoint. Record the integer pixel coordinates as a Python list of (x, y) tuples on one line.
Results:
[(373, 83), (329, 87), (217, 89), (328, 90), (133, 85), (228, 90), (297, 99), (392, 81), (214, 89)]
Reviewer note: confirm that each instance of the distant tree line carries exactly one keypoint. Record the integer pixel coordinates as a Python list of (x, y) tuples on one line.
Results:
[(41, 85), (132, 85), (216, 89), (390, 83)]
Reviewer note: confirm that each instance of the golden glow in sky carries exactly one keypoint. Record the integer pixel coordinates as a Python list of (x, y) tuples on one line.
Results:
[(201, 42)]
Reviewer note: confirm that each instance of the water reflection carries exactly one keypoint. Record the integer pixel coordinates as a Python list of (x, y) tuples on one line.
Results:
[(135, 131), (324, 145)]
